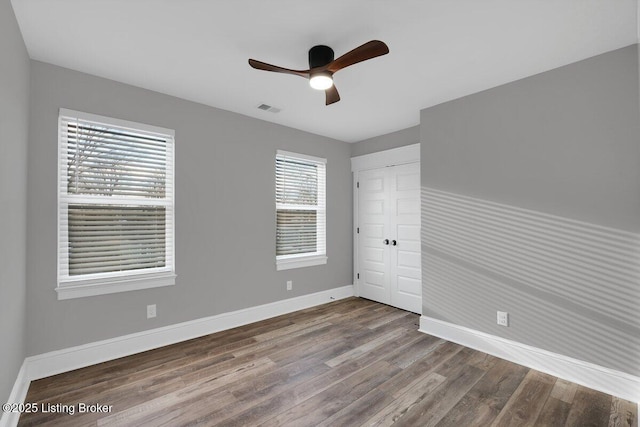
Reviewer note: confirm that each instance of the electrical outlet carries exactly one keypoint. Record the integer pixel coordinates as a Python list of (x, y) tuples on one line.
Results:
[(289, 285), (503, 318), (151, 311)]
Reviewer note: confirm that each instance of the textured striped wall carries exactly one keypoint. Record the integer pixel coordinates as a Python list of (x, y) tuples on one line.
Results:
[(570, 286)]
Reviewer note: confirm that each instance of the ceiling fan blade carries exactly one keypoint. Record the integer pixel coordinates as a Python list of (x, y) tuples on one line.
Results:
[(369, 50), (332, 95), (258, 65)]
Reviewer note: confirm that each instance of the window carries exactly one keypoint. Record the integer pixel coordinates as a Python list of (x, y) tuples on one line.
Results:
[(115, 205), (300, 211)]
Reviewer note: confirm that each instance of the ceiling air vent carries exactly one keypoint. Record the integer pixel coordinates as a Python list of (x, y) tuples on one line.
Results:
[(269, 108)]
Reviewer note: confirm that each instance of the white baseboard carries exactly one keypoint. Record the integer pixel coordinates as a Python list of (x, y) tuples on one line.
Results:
[(56, 362), (68, 359), (587, 374), (18, 394)]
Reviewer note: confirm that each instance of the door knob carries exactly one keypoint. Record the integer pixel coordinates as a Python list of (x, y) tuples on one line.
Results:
[(385, 241), (394, 243)]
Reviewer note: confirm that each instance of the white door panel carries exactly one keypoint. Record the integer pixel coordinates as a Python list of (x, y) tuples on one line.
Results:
[(409, 286), (408, 207), (409, 233)]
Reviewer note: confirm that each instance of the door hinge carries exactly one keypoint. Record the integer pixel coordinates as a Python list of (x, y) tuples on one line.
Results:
[(358, 184), (358, 230), (358, 275)]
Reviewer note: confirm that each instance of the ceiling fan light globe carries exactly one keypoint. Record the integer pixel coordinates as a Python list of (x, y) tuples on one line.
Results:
[(321, 82)]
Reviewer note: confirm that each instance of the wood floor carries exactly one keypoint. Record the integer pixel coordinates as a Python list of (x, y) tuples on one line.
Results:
[(348, 363)]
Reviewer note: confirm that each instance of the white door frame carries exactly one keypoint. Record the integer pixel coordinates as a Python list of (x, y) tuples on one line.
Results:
[(381, 159)]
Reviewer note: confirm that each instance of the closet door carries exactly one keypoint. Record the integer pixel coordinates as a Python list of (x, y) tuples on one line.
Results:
[(389, 237), (405, 273), (373, 252)]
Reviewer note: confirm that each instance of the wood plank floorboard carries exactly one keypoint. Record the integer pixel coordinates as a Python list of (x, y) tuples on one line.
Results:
[(352, 362)]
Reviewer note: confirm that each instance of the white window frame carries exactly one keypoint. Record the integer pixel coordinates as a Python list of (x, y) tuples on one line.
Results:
[(319, 257), (106, 283)]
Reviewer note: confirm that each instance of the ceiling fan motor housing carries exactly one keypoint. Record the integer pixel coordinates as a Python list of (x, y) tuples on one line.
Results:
[(319, 56)]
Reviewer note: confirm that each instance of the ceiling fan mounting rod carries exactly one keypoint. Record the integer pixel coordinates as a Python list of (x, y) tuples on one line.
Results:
[(319, 56)]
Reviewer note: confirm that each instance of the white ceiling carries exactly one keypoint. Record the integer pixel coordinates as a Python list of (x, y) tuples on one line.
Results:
[(439, 50)]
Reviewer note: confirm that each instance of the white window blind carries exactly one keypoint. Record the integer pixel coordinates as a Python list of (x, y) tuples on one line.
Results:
[(116, 205), (300, 210)]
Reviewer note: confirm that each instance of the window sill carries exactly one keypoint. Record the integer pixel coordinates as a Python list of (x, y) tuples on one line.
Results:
[(92, 287), (299, 262)]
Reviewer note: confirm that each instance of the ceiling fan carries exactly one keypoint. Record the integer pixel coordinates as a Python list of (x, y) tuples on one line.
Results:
[(322, 66)]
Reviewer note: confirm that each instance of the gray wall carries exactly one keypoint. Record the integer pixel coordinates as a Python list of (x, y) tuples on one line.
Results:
[(542, 174), (225, 213), (396, 139), (14, 110)]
